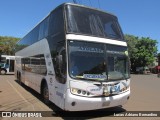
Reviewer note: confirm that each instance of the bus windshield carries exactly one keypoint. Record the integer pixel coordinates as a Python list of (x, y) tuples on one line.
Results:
[(92, 61), (92, 22), (2, 65), (118, 63)]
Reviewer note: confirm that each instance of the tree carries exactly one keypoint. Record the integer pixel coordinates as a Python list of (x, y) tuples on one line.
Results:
[(7, 45), (132, 41), (147, 51), (141, 51)]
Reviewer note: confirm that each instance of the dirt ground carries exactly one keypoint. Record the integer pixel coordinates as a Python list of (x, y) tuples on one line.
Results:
[(144, 97)]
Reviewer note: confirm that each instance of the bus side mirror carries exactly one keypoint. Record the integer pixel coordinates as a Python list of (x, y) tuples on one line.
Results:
[(59, 61), (61, 64)]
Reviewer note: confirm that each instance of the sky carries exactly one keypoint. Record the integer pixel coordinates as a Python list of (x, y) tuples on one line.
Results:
[(136, 17)]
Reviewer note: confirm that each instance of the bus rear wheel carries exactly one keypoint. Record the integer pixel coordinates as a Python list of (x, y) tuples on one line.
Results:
[(45, 94)]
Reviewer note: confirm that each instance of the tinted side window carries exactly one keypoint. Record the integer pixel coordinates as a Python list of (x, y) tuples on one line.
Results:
[(25, 64), (56, 24), (46, 25), (29, 39), (34, 35), (35, 64), (43, 29), (38, 33)]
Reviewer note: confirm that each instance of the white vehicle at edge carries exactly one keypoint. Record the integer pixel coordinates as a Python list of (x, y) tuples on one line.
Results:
[(76, 58), (7, 64)]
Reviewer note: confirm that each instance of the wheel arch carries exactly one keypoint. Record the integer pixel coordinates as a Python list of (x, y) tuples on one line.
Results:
[(44, 94)]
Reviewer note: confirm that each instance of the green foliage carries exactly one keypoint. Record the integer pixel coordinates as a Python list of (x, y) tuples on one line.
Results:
[(7, 45), (141, 50), (132, 41)]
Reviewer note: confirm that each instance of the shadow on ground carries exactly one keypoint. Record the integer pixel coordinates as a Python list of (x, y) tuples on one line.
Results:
[(57, 112)]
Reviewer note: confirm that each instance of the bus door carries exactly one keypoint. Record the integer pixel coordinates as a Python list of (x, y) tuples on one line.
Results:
[(7, 65), (11, 66)]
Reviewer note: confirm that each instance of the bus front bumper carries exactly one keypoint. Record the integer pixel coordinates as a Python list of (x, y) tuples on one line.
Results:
[(78, 103)]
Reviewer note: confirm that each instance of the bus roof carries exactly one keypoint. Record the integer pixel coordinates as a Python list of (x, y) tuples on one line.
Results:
[(83, 6), (64, 4), (8, 56)]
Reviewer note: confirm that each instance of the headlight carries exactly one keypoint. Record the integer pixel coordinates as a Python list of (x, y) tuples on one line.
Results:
[(80, 92), (124, 89)]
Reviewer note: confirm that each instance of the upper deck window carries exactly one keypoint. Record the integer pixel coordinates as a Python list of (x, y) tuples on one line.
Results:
[(92, 22)]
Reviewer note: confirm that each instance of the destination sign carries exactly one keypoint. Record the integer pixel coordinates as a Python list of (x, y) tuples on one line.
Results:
[(94, 76), (90, 49)]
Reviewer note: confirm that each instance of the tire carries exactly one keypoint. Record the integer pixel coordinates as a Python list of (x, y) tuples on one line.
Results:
[(45, 94), (19, 78), (3, 72), (20, 82)]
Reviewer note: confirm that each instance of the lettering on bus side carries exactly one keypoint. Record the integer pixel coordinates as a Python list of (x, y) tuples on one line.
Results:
[(95, 90), (47, 56)]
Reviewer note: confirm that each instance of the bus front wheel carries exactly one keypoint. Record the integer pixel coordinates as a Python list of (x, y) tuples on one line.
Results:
[(45, 94)]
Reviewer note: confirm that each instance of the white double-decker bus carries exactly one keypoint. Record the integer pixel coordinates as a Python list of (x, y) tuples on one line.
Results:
[(76, 58)]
